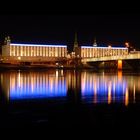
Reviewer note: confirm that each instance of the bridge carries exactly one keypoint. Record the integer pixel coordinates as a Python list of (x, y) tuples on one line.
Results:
[(110, 58), (119, 59)]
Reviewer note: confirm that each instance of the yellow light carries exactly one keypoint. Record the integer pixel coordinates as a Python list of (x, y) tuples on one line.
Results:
[(120, 75), (19, 79), (126, 97), (134, 94), (119, 64), (19, 58), (127, 44), (95, 93), (109, 93), (61, 72), (56, 73)]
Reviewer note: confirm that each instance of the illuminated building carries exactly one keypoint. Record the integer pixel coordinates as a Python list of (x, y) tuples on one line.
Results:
[(32, 52), (13, 53), (97, 51)]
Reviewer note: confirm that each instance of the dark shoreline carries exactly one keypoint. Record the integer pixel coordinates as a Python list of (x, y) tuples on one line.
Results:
[(28, 67), (47, 67)]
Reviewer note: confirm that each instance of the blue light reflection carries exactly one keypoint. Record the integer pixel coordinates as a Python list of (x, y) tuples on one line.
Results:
[(92, 87), (36, 85), (103, 88)]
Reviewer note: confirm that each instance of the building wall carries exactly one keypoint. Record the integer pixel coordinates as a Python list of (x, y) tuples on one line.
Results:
[(102, 51), (34, 51)]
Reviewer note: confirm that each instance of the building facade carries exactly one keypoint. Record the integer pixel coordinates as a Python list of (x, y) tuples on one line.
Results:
[(28, 52), (94, 51), (13, 53), (31, 50)]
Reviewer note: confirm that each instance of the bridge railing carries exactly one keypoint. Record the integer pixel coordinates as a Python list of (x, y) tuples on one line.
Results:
[(108, 58)]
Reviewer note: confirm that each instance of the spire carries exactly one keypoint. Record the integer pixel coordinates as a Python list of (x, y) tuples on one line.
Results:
[(95, 43), (76, 49), (75, 39), (75, 42)]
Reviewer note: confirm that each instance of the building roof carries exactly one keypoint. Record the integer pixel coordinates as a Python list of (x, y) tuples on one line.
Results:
[(36, 45), (105, 47)]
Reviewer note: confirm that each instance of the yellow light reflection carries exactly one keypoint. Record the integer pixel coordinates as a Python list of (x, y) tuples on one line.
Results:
[(32, 82), (134, 94), (62, 73), (19, 78), (95, 93), (126, 97), (120, 75), (56, 73), (51, 84), (109, 93)]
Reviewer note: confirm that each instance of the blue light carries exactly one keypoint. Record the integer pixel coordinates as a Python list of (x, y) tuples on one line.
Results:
[(38, 93), (37, 45), (48, 87), (103, 88)]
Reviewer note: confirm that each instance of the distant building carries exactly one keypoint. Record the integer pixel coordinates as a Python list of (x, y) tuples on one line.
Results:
[(32, 52), (100, 51), (91, 51), (12, 52)]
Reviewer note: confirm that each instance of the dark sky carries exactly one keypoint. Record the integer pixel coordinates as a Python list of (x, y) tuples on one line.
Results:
[(108, 28)]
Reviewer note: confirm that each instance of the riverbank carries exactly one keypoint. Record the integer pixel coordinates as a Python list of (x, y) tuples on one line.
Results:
[(22, 67), (7, 66)]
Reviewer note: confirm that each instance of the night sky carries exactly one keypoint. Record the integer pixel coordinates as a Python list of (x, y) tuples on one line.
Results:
[(113, 29)]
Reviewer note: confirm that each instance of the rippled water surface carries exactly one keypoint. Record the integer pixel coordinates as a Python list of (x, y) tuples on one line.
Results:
[(51, 97)]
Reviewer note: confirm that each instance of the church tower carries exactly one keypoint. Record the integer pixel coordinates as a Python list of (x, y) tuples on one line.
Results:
[(75, 42), (6, 47), (76, 48)]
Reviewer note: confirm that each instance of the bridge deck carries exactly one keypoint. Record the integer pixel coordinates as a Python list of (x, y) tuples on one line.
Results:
[(109, 58)]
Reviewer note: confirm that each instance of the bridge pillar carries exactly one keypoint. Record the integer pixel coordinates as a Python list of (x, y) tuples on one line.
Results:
[(119, 64)]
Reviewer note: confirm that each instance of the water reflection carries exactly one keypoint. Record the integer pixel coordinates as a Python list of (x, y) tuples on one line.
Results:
[(23, 85), (106, 88), (92, 87), (110, 87)]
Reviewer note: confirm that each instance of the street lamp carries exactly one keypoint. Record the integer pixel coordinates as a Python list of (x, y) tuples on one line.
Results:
[(127, 44)]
